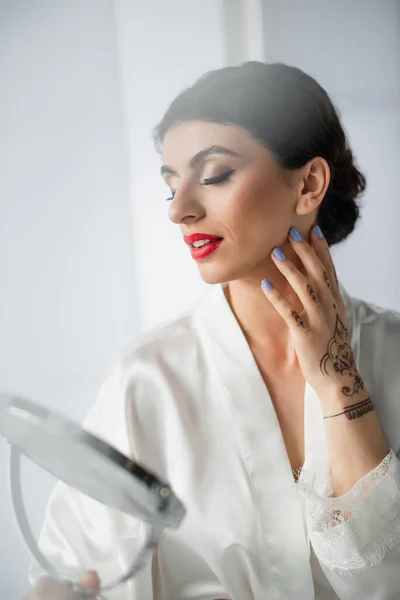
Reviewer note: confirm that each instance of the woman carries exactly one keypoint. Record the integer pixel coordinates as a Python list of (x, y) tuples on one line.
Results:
[(276, 370)]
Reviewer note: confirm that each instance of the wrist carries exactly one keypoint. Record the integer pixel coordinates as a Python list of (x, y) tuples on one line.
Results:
[(334, 401)]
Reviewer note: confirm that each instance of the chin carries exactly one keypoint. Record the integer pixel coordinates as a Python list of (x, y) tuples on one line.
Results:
[(215, 272), (213, 275)]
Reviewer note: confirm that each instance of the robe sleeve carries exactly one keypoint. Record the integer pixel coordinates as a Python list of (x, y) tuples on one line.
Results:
[(356, 537)]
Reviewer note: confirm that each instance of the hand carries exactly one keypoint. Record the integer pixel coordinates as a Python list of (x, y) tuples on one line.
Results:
[(48, 589), (320, 332)]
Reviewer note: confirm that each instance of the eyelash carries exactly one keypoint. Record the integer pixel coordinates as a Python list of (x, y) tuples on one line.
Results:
[(211, 181)]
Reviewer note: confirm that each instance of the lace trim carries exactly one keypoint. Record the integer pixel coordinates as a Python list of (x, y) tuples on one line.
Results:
[(354, 531)]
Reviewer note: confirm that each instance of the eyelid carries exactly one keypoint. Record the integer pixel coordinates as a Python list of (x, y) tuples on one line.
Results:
[(211, 180), (216, 178), (168, 176)]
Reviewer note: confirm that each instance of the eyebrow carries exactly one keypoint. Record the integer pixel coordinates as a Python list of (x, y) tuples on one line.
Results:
[(200, 156)]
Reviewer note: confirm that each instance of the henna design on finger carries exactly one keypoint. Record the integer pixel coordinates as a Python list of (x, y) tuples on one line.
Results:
[(312, 294), (327, 282), (355, 411), (299, 320), (340, 355)]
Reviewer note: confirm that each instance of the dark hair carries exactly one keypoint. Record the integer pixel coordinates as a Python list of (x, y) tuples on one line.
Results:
[(290, 114)]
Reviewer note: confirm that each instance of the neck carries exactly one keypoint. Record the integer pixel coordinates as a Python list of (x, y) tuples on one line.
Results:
[(262, 325)]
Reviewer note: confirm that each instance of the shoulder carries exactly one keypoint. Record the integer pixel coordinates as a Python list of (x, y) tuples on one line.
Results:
[(375, 335), (171, 347), (376, 346), (144, 376), (372, 321), (163, 344)]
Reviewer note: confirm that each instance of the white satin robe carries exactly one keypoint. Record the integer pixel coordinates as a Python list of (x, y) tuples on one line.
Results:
[(188, 402)]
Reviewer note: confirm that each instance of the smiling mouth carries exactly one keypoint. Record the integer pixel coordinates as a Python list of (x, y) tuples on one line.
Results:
[(201, 243), (206, 248)]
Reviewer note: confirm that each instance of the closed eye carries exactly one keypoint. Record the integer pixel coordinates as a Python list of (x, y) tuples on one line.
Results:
[(219, 178), (211, 181)]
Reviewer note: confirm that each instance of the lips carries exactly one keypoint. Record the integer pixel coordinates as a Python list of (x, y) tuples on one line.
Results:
[(197, 237), (205, 250), (213, 242)]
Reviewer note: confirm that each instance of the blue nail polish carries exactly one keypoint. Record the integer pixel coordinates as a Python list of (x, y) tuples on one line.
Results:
[(318, 231), (279, 254), (295, 234), (267, 285)]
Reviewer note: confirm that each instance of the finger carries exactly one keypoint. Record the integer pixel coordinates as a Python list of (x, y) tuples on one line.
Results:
[(285, 308), (316, 270), (90, 581), (321, 249), (301, 285)]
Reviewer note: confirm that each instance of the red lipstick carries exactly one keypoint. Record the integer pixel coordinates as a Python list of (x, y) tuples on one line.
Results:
[(210, 243)]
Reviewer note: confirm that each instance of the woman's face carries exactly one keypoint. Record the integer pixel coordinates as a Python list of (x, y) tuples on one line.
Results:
[(251, 208)]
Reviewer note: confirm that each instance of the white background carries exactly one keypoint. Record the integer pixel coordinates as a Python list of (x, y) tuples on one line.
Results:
[(88, 258)]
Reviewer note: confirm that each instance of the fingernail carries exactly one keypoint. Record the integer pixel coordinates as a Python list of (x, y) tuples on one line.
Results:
[(295, 234), (267, 285), (318, 231), (279, 254)]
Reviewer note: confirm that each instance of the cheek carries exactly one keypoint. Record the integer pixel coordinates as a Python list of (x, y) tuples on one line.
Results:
[(263, 204)]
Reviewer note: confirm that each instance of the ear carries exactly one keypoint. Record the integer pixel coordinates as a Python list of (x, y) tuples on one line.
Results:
[(314, 181)]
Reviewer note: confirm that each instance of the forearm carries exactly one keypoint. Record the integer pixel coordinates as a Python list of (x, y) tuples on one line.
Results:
[(355, 439)]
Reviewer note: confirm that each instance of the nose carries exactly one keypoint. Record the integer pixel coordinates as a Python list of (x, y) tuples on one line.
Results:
[(185, 207)]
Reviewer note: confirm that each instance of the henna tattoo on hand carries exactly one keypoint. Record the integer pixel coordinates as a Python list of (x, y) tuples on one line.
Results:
[(327, 282), (340, 355), (355, 411), (299, 320), (312, 294)]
